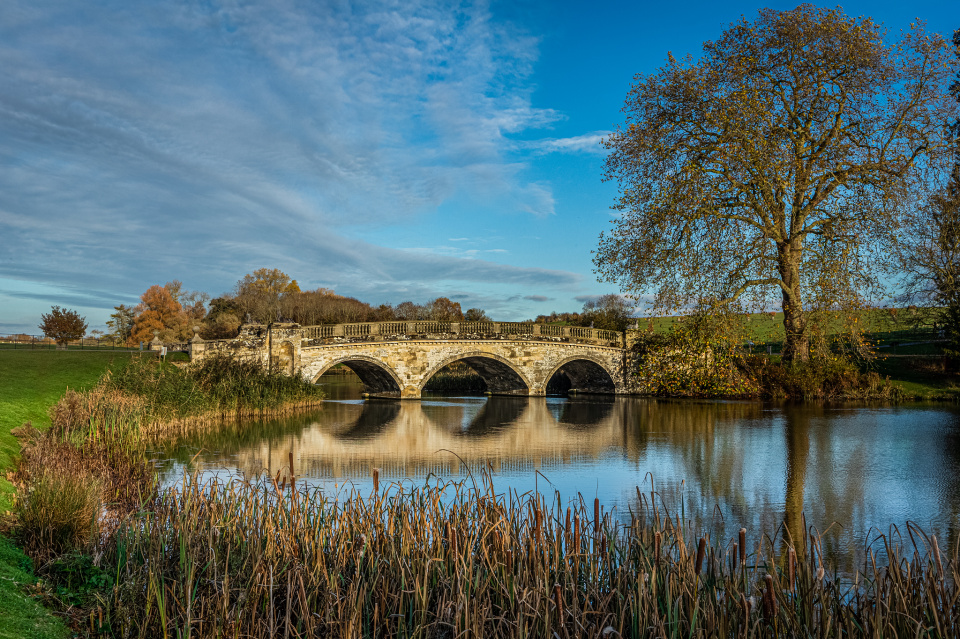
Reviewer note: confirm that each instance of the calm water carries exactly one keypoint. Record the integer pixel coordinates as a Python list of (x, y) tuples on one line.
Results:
[(852, 470)]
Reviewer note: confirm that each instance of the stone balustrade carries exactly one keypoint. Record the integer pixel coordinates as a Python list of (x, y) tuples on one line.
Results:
[(390, 331)]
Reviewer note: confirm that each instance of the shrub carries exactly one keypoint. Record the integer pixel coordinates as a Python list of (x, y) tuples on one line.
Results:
[(819, 378), (58, 514)]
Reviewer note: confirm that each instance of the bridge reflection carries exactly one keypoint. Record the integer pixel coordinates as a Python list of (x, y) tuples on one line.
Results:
[(734, 463), (347, 439)]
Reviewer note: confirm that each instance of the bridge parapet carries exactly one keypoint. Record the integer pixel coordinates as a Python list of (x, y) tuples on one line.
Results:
[(400, 331)]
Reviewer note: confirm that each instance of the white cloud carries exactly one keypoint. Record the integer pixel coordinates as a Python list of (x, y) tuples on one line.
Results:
[(587, 143), (143, 141)]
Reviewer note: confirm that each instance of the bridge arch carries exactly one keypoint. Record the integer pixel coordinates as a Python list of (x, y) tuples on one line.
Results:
[(501, 376), (588, 374), (378, 378)]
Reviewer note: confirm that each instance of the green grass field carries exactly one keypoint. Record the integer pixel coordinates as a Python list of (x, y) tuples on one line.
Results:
[(30, 382)]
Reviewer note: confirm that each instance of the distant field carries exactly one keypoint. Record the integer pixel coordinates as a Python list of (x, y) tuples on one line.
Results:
[(895, 333)]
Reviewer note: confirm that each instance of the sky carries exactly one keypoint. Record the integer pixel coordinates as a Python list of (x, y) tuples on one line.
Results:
[(389, 150)]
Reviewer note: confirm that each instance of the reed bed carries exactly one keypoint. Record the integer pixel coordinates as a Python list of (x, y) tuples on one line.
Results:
[(217, 386), (82, 476), (271, 559)]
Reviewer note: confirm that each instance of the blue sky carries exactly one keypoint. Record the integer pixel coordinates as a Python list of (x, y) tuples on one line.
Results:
[(391, 151)]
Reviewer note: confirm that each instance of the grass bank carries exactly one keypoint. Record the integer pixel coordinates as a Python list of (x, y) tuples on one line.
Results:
[(921, 378), (30, 383), (83, 462)]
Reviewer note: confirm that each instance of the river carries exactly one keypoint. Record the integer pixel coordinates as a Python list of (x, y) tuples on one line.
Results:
[(852, 470)]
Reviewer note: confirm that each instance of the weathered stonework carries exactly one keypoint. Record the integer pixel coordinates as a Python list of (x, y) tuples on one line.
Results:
[(397, 359), (401, 369)]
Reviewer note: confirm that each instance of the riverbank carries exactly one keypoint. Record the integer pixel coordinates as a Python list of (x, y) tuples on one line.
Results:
[(30, 383), (89, 429)]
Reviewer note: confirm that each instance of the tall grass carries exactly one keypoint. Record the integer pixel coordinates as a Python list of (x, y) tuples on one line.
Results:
[(459, 560), (99, 440), (59, 514), (218, 384)]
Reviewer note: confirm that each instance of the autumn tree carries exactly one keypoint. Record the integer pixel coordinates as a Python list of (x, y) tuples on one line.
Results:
[(443, 309), (159, 312), (409, 312), (608, 312), (773, 170), (63, 325), (476, 315), (222, 320), (259, 294)]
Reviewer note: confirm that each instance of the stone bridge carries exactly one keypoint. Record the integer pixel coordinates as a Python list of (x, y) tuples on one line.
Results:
[(396, 359)]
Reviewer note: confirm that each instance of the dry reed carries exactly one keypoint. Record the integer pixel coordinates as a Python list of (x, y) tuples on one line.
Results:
[(461, 560)]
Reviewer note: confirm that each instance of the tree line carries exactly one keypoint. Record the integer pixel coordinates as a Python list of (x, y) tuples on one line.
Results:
[(173, 313), (265, 296)]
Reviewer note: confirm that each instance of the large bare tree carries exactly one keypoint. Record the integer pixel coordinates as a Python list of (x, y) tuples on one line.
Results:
[(772, 169)]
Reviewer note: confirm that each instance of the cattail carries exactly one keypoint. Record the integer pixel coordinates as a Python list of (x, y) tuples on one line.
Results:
[(656, 547), (936, 554), (376, 480), (701, 551), (567, 526), (596, 515), (743, 545), (791, 569), (559, 601), (769, 601), (451, 544), (576, 532)]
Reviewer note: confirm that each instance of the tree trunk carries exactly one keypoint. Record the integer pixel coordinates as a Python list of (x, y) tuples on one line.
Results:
[(796, 346), (798, 449)]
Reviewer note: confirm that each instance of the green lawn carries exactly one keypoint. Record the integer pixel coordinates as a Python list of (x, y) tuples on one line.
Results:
[(30, 382), (919, 378)]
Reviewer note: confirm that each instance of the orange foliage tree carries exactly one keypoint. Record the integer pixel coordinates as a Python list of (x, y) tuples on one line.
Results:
[(159, 311)]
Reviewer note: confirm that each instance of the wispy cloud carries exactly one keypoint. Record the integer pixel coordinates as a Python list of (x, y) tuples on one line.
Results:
[(142, 141), (588, 143)]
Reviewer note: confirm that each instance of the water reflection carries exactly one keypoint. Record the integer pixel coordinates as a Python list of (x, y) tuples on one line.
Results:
[(723, 465)]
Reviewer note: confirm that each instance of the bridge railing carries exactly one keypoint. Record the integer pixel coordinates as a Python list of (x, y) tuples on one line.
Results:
[(446, 330)]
